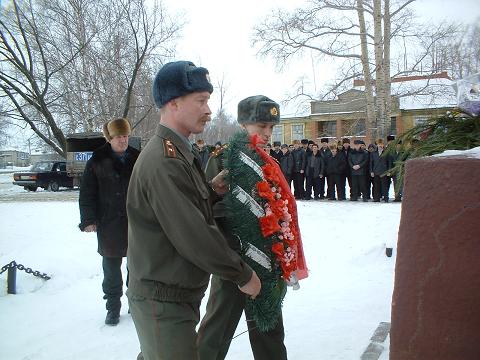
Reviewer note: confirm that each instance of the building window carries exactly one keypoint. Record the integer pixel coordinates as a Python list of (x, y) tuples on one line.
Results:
[(393, 126), (327, 129), (298, 132), (277, 134), (356, 128)]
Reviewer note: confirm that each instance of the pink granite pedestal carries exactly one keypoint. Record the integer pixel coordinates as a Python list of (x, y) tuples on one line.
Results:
[(436, 298)]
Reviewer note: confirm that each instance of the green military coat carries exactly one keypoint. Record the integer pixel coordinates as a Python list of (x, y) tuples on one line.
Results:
[(173, 242)]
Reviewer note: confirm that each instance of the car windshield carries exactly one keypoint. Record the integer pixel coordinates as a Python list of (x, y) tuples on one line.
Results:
[(43, 166)]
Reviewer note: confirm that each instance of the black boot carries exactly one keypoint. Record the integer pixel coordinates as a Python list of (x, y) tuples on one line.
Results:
[(113, 317)]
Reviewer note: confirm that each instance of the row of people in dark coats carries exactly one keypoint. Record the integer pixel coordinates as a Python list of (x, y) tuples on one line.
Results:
[(310, 166)]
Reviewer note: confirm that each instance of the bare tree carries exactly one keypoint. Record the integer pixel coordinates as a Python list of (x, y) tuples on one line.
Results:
[(69, 65), (358, 33), (221, 128)]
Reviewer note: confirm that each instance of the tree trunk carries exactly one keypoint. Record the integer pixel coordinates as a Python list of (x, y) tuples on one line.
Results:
[(379, 70), (386, 67), (370, 108)]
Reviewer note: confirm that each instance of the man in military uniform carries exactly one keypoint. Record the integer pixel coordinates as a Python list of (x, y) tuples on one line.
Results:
[(174, 244), (258, 115)]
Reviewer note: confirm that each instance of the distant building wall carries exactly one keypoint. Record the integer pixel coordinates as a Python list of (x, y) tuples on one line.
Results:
[(14, 158)]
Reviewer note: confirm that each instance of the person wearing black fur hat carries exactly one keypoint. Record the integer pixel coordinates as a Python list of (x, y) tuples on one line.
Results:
[(325, 153), (286, 163), (257, 115), (103, 195), (346, 149), (174, 242), (298, 175), (357, 161)]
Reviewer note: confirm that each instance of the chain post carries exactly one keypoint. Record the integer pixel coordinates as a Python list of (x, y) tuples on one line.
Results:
[(12, 275), (12, 280)]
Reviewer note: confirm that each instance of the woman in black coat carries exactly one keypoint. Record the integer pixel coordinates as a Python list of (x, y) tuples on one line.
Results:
[(102, 201)]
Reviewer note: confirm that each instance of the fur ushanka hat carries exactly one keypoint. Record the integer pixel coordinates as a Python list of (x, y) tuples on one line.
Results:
[(116, 127), (258, 108), (177, 79)]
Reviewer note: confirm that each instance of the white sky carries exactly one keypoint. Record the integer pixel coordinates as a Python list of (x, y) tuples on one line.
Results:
[(218, 37)]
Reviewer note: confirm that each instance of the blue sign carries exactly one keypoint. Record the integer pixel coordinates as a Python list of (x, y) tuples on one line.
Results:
[(83, 156)]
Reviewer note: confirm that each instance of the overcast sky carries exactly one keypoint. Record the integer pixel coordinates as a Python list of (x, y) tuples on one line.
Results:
[(218, 37)]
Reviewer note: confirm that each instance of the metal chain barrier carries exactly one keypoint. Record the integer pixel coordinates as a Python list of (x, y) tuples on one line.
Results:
[(28, 270)]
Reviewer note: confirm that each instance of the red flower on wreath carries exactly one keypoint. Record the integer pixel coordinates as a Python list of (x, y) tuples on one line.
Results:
[(277, 207), (270, 173), (265, 191), (277, 249), (269, 225)]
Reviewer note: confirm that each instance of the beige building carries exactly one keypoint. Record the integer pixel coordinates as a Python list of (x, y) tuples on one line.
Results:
[(14, 158), (345, 116)]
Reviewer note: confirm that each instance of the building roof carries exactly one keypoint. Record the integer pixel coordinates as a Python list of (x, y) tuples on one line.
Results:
[(421, 91)]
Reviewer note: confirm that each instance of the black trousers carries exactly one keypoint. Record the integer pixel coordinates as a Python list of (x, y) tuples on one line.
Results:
[(358, 186), (298, 180), (225, 306), (112, 282), (336, 181), (381, 185), (322, 187), (316, 184)]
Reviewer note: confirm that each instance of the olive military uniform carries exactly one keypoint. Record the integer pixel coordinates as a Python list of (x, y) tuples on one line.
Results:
[(173, 247), (226, 303)]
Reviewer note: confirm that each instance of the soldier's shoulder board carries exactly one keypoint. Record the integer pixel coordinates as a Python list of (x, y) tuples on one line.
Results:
[(169, 149)]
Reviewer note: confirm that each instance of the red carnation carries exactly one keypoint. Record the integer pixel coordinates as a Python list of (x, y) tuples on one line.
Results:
[(270, 173), (265, 191), (269, 225), (277, 249)]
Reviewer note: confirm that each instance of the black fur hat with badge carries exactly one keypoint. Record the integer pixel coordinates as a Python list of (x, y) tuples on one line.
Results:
[(177, 79), (258, 108)]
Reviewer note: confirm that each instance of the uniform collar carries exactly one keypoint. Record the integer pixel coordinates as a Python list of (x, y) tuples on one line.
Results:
[(180, 141)]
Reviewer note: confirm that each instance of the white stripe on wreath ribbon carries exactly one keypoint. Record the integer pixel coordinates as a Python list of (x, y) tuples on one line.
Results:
[(259, 257), (246, 199), (248, 161)]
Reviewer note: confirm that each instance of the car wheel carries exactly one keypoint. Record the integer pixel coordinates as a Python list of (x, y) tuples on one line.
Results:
[(53, 186), (30, 188)]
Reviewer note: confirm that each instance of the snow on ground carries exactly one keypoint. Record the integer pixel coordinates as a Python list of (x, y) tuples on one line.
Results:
[(332, 316)]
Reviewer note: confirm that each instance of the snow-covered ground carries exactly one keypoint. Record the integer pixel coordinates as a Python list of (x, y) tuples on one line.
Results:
[(332, 316)]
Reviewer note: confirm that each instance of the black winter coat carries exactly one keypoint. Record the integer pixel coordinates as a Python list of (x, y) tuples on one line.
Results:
[(346, 153), (337, 165), (299, 159), (379, 164), (318, 165), (276, 155), (204, 156), (286, 164), (103, 196), (325, 153), (359, 157)]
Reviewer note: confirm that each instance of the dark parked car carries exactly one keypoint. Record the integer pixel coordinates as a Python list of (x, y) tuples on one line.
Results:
[(50, 175)]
